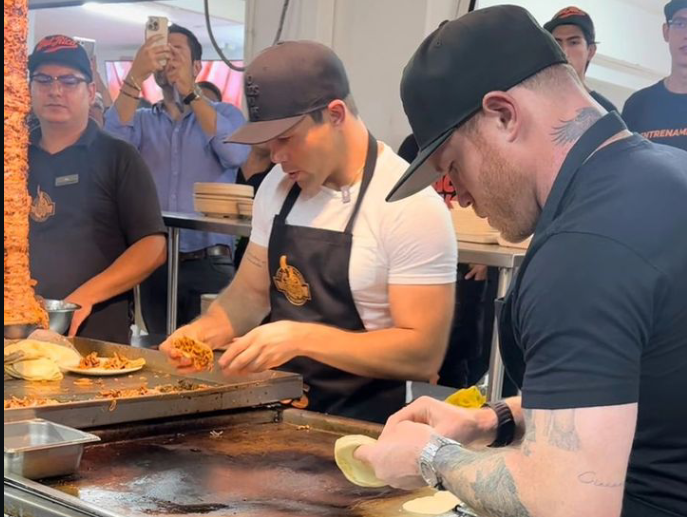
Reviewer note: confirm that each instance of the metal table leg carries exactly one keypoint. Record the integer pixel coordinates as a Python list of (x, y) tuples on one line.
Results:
[(172, 278), (496, 369)]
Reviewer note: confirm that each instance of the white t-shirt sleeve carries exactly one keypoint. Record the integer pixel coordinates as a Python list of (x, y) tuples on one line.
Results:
[(420, 242), (265, 207)]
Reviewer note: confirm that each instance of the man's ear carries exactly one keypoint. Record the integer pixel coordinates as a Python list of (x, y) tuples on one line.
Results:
[(197, 67), (501, 109), (666, 28), (592, 52), (91, 94), (337, 112)]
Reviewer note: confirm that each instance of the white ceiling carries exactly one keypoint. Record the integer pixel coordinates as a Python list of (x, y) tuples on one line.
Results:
[(118, 27)]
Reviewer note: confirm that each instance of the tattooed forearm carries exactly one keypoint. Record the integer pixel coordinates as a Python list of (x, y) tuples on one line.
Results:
[(255, 260), (482, 480), (570, 130)]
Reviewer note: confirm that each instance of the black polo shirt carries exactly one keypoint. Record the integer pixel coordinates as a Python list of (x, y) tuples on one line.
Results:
[(90, 202), (602, 311), (659, 115)]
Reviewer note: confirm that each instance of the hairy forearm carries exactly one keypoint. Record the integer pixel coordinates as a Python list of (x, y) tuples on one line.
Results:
[(130, 269), (390, 353), (243, 309)]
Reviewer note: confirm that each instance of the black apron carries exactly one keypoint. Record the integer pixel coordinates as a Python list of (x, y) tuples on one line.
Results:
[(310, 283), (510, 347)]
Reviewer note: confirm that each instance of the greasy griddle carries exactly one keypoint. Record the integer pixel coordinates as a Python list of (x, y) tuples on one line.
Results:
[(259, 464), (82, 406)]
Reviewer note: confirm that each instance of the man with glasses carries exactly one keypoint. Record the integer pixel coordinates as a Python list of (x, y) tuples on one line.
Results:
[(659, 112), (96, 229)]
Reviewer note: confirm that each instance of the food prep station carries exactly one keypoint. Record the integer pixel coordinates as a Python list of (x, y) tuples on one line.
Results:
[(210, 446)]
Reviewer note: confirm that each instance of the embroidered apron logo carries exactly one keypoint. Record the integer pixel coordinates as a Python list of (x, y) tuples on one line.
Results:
[(290, 282), (42, 207)]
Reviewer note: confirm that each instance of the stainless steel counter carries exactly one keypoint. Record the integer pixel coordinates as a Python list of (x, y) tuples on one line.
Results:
[(508, 260)]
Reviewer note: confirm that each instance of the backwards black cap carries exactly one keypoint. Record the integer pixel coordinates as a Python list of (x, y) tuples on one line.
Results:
[(573, 16), (286, 82), (492, 49)]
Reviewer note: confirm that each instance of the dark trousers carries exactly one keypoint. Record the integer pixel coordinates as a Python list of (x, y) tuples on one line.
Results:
[(196, 277)]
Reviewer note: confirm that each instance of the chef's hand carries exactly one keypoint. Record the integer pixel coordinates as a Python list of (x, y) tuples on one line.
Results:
[(467, 426), (82, 314), (265, 347), (212, 329), (477, 272), (180, 72), (395, 456), (149, 59)]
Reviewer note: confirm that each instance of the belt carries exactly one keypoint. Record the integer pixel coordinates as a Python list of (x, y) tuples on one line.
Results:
[(220, 250)]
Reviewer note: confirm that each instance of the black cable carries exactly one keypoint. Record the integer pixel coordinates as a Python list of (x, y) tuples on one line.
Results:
[(219, 51), (208, 25), (282, 19)]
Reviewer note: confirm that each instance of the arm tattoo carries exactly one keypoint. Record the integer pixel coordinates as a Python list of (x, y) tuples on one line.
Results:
[(570, 130), (493, 493), (559, 428), (530, 432), (256, 261), (590, 478)]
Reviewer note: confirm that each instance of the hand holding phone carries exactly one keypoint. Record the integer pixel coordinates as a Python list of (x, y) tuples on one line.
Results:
[(158, 26)]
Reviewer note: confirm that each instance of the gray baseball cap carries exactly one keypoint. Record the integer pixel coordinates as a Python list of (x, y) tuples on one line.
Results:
[(285, 83)]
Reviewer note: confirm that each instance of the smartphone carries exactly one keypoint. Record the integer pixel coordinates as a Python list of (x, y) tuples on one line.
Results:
[(87, 44), (158, 25)]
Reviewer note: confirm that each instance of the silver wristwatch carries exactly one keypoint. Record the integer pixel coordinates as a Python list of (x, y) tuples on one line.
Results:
[(426, 460)]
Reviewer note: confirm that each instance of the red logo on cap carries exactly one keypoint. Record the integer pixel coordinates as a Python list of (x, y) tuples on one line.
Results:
[(570, 11), (55, 44)]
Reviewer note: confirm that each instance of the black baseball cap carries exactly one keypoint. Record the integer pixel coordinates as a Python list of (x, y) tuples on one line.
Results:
[(443, 84), (285, 83), (672, 7), (573, 16), (63, 50)]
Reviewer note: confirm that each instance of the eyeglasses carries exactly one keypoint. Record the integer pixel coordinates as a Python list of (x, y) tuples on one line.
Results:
[(679, 24), (68, 82)]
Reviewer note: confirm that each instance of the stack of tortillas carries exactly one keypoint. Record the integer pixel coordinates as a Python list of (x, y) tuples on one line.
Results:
[(361, 474), (469, 227), (39, 360)]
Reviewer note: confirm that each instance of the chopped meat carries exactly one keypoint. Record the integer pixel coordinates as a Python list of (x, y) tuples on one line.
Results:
[(199, 353)]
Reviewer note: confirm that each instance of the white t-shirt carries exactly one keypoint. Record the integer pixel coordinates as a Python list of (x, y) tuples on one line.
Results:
[(408, 242)]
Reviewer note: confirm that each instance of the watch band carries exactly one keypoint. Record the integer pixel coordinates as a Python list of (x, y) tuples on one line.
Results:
[(426, 460), (505, 424), (193, 96)]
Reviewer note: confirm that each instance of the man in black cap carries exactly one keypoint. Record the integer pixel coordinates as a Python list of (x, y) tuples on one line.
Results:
[(360, 291), (659, 112), (594, 328), (574, 32), (96, 229)]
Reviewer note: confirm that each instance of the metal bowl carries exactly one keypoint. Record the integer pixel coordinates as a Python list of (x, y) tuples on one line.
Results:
[(60, 314)]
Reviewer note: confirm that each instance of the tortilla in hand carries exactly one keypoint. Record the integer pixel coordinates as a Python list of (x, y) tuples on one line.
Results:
[(199, 353), (356, 471)]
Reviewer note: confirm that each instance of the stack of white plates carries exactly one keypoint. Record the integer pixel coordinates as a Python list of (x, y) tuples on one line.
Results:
[(223, 200), (469, 227)]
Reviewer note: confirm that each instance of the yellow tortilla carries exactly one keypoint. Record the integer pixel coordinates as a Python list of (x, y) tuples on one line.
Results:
[(41, 369), (441, 502), (63, 356), (357, 472)]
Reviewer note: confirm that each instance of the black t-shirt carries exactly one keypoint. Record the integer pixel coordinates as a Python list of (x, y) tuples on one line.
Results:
[(602, 311), (659, 115), (607, 105), (90, 202)]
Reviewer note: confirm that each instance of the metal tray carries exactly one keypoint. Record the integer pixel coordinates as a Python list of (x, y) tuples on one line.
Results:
[(81, 407), (37, 449), (254, 463)]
